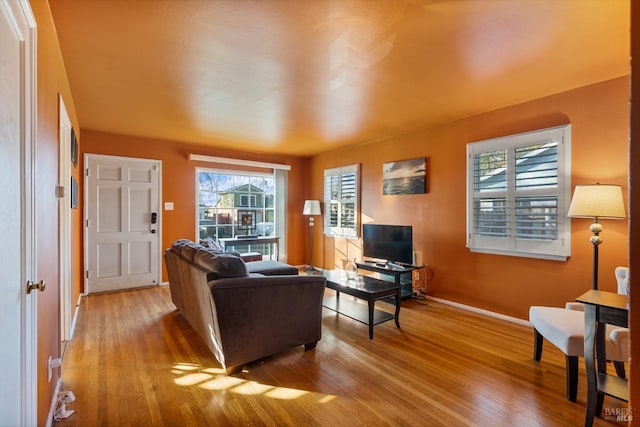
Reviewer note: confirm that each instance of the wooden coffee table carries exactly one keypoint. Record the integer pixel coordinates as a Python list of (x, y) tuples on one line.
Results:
[(367, 288)]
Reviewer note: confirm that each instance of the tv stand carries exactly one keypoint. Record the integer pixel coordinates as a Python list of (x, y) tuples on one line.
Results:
[(402, 275)]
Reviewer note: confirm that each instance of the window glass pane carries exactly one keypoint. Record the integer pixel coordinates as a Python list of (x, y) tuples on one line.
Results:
[(489, 171), (332, 214), (349, 186), (537, 217), (334, 187), (232, 204), (490, 216), (348, 217), (537, 166)]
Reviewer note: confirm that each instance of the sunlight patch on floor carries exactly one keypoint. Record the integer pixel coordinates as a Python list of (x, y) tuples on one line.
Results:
[(192, 379), (222, 383), (252, 388), (285, 393), (215, 379)]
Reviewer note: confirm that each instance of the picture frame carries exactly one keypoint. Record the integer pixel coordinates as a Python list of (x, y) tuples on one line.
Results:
[(74, 193), (74, 149), (405, 177)]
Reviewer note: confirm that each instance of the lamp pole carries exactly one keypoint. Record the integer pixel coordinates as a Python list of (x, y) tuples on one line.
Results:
[(595, 240), (310, 268)]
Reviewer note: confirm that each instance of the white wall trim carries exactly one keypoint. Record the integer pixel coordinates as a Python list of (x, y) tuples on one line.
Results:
[(54, 402), (64, 208), (481, 311), (75, 317), (229, 161)]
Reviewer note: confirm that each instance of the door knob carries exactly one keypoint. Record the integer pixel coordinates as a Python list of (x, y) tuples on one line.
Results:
[(37, 286)]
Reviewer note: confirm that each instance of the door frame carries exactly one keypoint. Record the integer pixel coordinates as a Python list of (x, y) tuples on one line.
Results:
[(64, 226), (24, 25), (85, 205)]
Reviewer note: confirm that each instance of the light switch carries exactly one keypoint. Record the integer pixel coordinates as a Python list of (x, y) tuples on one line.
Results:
[(168, 206)]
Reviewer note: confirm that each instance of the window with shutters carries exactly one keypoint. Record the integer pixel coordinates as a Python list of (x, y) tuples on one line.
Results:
[(518, 193), (341, 200)]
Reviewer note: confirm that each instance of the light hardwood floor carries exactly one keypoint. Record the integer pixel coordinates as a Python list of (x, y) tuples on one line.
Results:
[(134, 361)]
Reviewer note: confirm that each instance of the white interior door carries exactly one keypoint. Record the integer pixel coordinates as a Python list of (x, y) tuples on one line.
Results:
[(122, 223), (18, 397)]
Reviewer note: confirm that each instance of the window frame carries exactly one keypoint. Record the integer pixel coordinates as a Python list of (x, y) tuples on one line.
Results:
[(558, 249), (339, 230), (251, 201), (235, 226)]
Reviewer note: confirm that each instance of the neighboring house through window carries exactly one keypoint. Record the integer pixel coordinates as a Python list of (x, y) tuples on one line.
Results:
[(233, 204), (518, 193)]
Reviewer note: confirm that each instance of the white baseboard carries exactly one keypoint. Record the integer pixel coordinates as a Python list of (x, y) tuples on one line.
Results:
[(54, 402), (481, 311), (164, 283), (75, 317)]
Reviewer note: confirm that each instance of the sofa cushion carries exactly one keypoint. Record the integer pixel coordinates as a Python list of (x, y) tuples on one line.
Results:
[(271, 268), (220, 265)]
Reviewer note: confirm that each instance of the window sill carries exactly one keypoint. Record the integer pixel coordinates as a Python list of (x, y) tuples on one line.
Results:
[(520, 254)]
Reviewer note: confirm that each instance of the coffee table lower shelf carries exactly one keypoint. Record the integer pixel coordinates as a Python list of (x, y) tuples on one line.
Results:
[(356, 311)]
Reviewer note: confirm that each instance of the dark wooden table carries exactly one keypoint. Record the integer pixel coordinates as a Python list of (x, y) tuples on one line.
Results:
[(367, 288), (600, 308), (230, 243)]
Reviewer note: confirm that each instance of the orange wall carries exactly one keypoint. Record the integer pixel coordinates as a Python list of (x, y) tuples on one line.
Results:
[(599, 115), (179, 186), (52, 81), (600, 118)]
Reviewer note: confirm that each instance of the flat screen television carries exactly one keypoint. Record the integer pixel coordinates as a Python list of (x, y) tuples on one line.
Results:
[(391, 243)]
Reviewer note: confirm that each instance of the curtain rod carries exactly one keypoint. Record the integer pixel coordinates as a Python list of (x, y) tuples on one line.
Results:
[(228, 161)]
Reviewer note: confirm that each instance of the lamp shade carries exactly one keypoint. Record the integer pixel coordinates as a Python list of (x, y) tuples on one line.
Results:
[(597, 201), (311, 207)]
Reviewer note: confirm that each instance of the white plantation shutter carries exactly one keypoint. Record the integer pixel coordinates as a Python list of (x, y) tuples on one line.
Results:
[(341, 199), (518, 193)]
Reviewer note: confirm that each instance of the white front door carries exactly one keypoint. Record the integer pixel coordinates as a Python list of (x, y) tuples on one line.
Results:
[(18, 397), (122, 220)]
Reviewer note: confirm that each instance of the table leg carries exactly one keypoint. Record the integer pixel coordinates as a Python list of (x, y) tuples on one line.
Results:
[(595, 361), (371, 309), (398, 298)]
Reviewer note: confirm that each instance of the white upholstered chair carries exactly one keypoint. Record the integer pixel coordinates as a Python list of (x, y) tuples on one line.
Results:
[(564, 328)]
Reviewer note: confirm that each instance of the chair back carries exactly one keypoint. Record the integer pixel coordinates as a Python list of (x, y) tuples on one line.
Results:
[(622, 277)]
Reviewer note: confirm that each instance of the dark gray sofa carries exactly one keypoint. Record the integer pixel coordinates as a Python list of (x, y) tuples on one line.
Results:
[(243, 316)]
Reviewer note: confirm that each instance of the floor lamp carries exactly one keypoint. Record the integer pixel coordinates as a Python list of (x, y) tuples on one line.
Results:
[(311, 208), (597, 201)]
